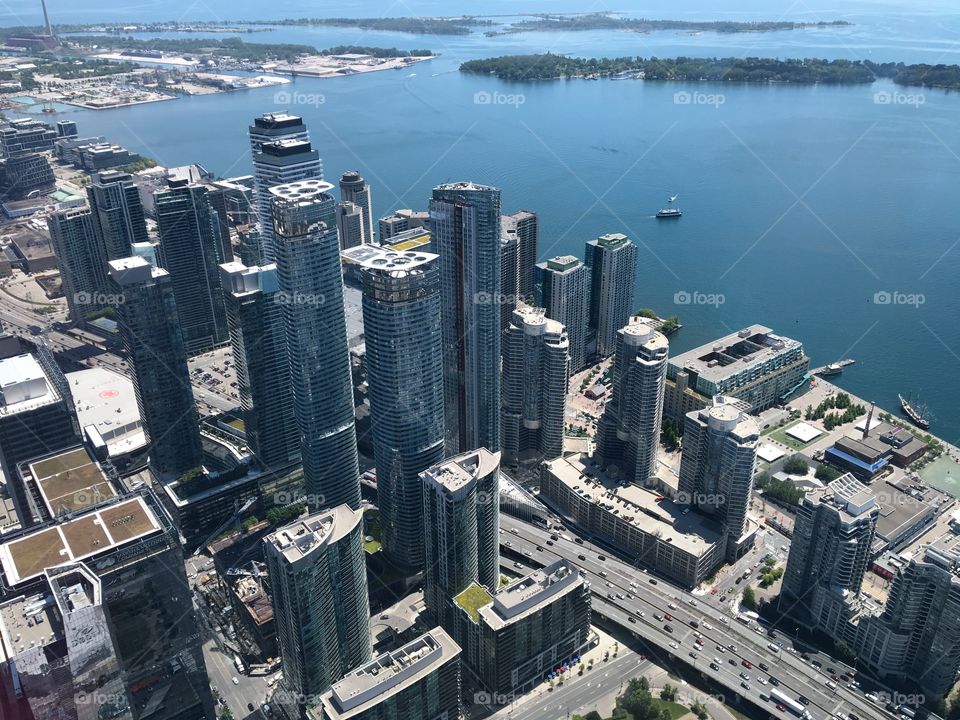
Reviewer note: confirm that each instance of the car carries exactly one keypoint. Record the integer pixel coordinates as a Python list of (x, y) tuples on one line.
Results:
[(668, 616), (762, 681), (694, 624), (250, 707), (744, 684), (817, 664), (603, 573), (633, 585), (737, 581), (539, 548), (528, 553), (642, 613), (671, 606), (732, 648), (732, 661), (714, 666), (774, 681), (674, 645), (803, 699), (517, 565), (632, 619), (582, 557), (699, 641), (772, 648), (235, 681), (693, 655), (721, 648), (835, 678), (831, 671), (610, 596), (609, 584), (763, 666), (693, 602), (508, 543), (549, 542), (652, 581), (852, 716), (780, 707), (620, 596), (578, 541), (831, 684), (601, 558), (707, 626), (657, 616), (668, 627), (724, 620)]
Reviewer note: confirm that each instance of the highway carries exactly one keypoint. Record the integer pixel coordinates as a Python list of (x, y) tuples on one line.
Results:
[(616, 599)]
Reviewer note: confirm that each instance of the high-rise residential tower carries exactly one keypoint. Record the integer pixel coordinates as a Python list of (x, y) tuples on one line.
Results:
[(509, 278), (629, 429), (320, 603), (259, 342), (311, 294), (717, 466), (612, 260), (535, 372), (465, 224), (150, 329), (354, 189), (190, 250), (562, 288), (118, 218), (277, 163), (461, 523), (350, 221), (72, 236), (404, 358), (271, 127), (524, 226)]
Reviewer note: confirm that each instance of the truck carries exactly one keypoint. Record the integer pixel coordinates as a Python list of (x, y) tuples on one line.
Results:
[(788, 702)]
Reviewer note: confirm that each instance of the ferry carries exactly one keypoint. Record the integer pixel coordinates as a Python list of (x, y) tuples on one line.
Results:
[(913, 413), (669, 213), (831, 369)]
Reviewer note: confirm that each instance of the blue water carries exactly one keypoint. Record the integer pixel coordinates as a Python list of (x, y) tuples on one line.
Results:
[(802, 205)]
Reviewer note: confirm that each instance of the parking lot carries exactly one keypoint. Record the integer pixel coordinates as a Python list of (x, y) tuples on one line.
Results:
[(213, 374)]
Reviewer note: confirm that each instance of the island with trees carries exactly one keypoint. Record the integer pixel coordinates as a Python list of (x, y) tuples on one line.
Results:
[(809, 71), (615, 21)]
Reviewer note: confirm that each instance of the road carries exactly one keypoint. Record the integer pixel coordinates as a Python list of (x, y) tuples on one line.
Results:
[(621, 591)]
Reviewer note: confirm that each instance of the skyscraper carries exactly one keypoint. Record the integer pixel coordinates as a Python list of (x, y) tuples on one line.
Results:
[(71, 233), (320, 603), (354, 189), (350, 221), (190, 250), (461, 523), (509, 277), (118, 219), (401, 319), (562, 288), (149, 327), (629, 429), (277, 163), (717, 466), (271, 127), (535, 370), (829, 554), (259, 342), (311, 294), (612, 260), (525, 227), (465, 223)]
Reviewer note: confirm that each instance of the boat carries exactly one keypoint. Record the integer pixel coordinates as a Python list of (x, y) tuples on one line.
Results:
[(831, 369), (671, 212), (915, 414)]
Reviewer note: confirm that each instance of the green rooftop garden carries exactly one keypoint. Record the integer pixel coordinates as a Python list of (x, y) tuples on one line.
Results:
[(472, 599)]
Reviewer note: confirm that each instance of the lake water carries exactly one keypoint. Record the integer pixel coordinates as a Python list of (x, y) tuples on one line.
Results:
[(822, 212)]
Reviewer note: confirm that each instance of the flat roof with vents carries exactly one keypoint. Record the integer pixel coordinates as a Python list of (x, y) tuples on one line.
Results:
[(70, 481)]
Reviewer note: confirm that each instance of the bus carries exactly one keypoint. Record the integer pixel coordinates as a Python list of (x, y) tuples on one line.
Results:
[(788, 702)]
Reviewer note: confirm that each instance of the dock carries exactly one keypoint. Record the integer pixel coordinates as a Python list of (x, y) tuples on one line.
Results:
[(833, 368)]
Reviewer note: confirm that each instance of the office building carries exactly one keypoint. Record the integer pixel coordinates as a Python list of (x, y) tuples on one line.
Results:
[(465, 225), (109, 585), (354, 189), (101, 156), (72, 236), (419, 680), (628, 432), (830, 552), (509, 277), (66, 129), (350, 219), (320, 603), (25, 175), (148, 323), (36, 415), (524, 227), (461, 524), (259, 343), (717, 466), (278, 163), (404, 361), (311, 295), (401, 221), (190, 250), (562, 288), (535, 372), (915, 641), (752, 365), (26, 135), (118, 219), (612, 260), (513, 638), (271, 127)]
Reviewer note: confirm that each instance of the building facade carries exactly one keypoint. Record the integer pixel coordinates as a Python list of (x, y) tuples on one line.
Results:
[(716, 469), (350, 221), (509, 278), (524, 227), (562, 288), (404, 361), (311, 295), (628, 432), (71, 233), (118, 219), (465, 225), (149, 326), (354, 189), (612, 260), (536, 366)]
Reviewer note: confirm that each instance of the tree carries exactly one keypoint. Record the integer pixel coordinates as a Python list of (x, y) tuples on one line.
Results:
[(826, 473), (700, 710), (844, 652), (668, 693), (795, 465), (749, 599), (646, 313), (592, 715)]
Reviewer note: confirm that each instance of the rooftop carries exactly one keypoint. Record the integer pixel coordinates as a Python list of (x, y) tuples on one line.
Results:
[(134, 270), (531, 593), (302, 191), (562, 263), (389, 674), (375, 257), (737, 351), (457, 473), (472, 599), (302, 538), (28, 622), (23, 384), (90, 534), (107, 401), (70, 481)]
